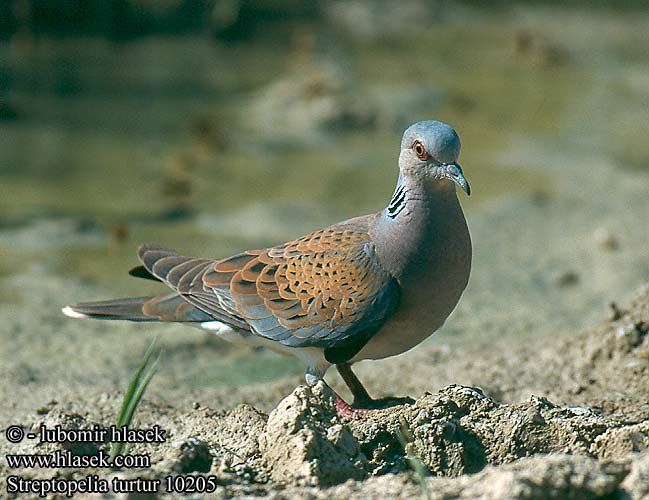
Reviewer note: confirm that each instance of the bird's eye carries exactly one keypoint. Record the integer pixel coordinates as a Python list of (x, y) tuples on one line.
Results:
[(420, 150)]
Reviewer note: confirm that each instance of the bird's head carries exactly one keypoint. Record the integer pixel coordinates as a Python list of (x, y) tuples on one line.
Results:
[(429, 152)]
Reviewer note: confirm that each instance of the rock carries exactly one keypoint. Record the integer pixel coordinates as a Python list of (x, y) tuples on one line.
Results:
[(193, 455), (536, 51), (554, 476), (621, 338), (307, 104), (474, 446), (620, 442), (394, 106), (55, 234), (238, 431), (636, 484), (231, 438), (369, 20), (460, 430), (67, 421), (305, 444), (566, 278), (605, 239), (454, 432)]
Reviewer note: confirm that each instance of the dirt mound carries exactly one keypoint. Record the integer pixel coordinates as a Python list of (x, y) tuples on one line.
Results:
[(586, 436), (455, 432), (303, 446)]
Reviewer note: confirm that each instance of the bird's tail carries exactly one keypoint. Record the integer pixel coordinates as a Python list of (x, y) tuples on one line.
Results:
[(156, 308)]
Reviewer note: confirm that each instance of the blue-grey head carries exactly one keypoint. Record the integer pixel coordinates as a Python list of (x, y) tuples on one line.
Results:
[(429, 152)]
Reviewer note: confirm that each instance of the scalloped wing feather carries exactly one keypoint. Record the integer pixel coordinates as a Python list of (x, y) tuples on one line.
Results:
[(185, 276), (324, 289)]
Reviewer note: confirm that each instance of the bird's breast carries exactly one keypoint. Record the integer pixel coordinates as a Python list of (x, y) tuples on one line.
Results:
[(432, 283)]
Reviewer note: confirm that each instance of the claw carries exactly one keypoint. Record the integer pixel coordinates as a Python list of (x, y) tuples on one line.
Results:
[(363, 402), (344, 409)]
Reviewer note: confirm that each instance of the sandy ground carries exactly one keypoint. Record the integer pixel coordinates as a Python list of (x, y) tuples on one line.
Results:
[(535, 388)]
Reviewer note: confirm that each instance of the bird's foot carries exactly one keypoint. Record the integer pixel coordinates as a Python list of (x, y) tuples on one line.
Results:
[(363, 402), (344, 409)]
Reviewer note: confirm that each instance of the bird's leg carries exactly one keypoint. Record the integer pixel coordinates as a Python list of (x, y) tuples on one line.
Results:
[(363, 402), (361, 397), (343, 409)]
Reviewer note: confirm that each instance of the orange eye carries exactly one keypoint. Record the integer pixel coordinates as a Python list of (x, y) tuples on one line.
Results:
[(420, 150)]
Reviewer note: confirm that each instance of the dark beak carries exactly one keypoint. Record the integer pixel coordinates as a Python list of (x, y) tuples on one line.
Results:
[(454, 172)]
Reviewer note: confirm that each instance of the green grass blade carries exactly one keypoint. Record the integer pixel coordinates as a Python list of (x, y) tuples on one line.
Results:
[(139, 391), (135, 380), (136, 389), (404, 435)]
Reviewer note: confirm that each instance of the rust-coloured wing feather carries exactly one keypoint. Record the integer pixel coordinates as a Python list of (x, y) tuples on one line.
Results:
[(185, 276), (319, 290), (326, 289)]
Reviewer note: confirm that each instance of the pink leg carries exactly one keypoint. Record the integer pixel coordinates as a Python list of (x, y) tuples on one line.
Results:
[(344, 409), (363, 402)]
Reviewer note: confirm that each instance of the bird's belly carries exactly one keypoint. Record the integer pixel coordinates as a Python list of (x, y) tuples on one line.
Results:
[(419, 314), (400, 334), (432, 280)]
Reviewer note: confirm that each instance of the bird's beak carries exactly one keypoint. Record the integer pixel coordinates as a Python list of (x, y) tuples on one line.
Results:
[(454, 172)]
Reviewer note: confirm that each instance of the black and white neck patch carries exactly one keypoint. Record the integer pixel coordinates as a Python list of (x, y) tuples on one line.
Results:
[(398, 201)]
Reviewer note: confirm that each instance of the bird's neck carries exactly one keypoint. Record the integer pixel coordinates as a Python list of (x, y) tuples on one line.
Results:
[(415, 225)]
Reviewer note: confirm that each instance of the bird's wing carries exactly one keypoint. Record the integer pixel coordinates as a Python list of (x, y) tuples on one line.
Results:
[(185, 276), (326, 289), (319, 290)]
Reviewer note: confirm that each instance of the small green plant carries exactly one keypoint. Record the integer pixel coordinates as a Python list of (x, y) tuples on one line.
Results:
[(404, 435), (133, 396)]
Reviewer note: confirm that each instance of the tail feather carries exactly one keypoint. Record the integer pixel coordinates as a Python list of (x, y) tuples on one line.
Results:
[(129, 309), (142, 272), (156, 308)]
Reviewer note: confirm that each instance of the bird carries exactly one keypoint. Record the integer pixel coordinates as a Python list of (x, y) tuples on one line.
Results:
[(369, 287)]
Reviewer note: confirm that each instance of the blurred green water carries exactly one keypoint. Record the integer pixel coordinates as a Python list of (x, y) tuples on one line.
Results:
[(110, 140), (103, 130)]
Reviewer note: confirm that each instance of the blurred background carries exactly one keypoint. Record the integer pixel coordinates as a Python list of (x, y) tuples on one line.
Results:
[(213, 126)]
